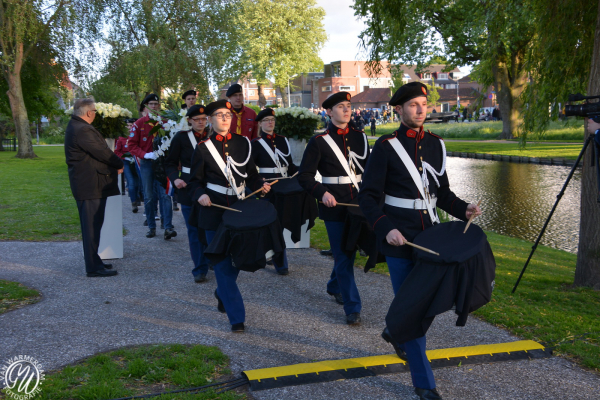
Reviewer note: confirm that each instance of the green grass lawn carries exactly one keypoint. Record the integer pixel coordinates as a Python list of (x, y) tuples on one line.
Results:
[(36, 202), (538, 150), (141, 370), (558, 131), (13, 295), (546, 307)]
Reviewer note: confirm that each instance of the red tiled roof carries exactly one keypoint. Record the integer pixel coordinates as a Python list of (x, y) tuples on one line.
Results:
[(373, 95)]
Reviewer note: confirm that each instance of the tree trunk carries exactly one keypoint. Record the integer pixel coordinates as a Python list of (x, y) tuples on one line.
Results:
[(17, 107), (284, 96), (262, 100), (509, 85), (587, 271)]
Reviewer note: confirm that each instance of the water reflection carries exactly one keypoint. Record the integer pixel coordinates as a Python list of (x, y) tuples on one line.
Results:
[(517, 198)]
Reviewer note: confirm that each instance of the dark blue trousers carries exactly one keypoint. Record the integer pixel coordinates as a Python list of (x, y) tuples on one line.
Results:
[(342, 276), (420, 368), (197, 248), (278, 267), (227, 288)]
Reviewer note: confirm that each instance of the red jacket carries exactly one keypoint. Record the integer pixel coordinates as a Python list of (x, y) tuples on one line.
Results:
[(140, 140), (121, 147), (248, 126)]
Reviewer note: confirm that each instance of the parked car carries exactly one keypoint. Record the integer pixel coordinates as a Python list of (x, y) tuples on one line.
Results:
[(485, 113)]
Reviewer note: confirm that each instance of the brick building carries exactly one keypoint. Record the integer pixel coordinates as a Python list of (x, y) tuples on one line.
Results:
[(250, 89)]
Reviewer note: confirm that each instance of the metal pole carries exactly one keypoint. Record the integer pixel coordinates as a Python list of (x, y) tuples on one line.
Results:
[(558, 197), (289, 92)]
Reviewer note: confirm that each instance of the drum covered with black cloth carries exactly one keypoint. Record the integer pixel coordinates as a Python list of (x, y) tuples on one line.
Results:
[(462, 276), (249, 237), (294, 206), (359, 234)]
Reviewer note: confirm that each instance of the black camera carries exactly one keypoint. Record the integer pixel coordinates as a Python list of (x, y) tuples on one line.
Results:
[(588, 110)]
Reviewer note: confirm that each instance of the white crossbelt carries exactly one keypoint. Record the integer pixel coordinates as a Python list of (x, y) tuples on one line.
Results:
[(282, 170), (413, 204), (185, 170), (275, 156), (349, 164), (339, 180), (229, 191)]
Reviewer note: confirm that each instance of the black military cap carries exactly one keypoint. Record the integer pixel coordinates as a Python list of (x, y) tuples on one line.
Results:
[(149, 98), (188, 93), (196, 109), (235, 88), (216, 105), (335, 99), (267, 112), (408, 92), (130, 120)]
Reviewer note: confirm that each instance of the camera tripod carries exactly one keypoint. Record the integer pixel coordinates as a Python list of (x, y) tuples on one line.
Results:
[(589, 139)]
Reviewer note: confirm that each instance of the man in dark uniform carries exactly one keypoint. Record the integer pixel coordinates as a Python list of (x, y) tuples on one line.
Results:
[(339, 155), (209, 184), (243, 120), (272, 156), (407, 171), (181, 150), (93, 172), (189, 99)]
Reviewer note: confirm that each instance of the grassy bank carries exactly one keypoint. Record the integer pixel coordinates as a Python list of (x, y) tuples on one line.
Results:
[(558, 131), (538, 150), (13, 295), (36, 203), (140, 370), (546, 307)]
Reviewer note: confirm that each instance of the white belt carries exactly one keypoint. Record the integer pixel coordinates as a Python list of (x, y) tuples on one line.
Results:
[(185, 170), (272, 170), (413, 204), (338, 180), (224, 190)]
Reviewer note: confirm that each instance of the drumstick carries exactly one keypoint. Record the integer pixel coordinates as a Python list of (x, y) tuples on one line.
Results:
[(344, 204), (471, 218), (421, 248), (287, 177), (225, 208), (256, 191)]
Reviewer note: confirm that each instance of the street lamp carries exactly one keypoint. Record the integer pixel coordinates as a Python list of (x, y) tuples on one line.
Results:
[(293, 76)]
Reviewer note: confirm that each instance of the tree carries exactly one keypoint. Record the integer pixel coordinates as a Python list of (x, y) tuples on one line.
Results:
[(278, 39), (494, 34), (28, 27), (432, 94)]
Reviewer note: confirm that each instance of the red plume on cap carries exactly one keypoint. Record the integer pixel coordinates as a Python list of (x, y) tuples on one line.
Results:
[(201, 110), (424, 90), (228, 104), (348, 96), (272, 112)]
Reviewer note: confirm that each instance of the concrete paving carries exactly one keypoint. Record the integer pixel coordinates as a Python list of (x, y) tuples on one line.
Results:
[(290, 319)]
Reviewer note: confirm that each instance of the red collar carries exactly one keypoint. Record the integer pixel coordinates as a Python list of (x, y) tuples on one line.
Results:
[(220, 137), (411, 133), (343, 131), (270, 137), (199, 135)]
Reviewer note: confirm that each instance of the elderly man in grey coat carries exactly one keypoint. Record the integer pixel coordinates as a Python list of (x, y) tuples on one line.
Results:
[(93, 175)]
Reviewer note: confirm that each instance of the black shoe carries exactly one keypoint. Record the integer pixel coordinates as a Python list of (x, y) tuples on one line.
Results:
[(200, 278), (387, 336), (327, 252), (107, 266), (237, 328), (220, 305), (101, 273), (151, 233), (283, 272), (353, 319), (428, 394), (337, 296), (170, 233), (145, 222), (134, 208)]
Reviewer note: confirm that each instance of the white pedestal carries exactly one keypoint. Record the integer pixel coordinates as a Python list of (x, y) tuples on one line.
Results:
[(111, 235), (304, 242)]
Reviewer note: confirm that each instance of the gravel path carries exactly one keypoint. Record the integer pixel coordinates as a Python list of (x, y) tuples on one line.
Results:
[(290, 319)]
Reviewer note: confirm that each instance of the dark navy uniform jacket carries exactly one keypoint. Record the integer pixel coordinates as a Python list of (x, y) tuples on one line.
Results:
[(206, 170), (262, 159), (319, 156), (180, 153), (386, 174)]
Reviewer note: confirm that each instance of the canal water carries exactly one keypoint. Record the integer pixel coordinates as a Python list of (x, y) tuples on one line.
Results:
[(517, 198)]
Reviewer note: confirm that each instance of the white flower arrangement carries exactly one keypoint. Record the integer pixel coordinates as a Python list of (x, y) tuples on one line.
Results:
[(169, 127), (109, 120), (108, 110), (296, 122)]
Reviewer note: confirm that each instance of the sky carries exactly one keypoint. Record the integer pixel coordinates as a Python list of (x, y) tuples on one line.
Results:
[(342, 29)]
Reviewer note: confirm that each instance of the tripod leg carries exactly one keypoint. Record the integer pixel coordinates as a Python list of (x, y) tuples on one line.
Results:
[(558, 197)]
